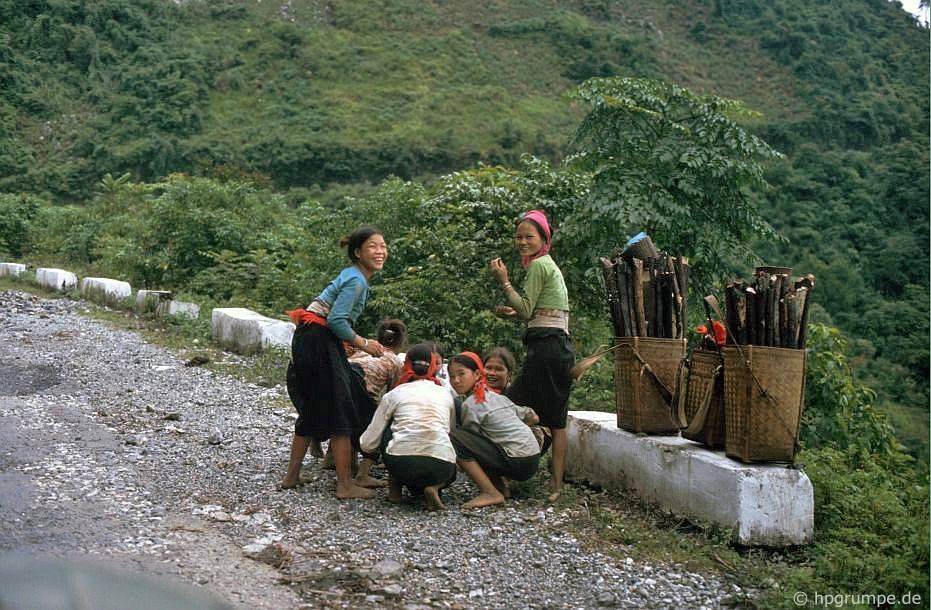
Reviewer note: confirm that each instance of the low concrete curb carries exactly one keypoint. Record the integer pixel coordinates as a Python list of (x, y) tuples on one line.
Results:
[(56, 279), (764, 504), (147, 301), (161, 303), (181, 309), (246, 332), (12, 269), (105, 291)]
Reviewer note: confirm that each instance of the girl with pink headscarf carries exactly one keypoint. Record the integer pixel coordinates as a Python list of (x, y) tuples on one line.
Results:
[(544, 380)]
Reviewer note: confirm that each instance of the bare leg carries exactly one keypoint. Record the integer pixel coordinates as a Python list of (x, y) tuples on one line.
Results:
[(432, 495), (299, 445), (501, 484), (394, 490), (364, 479), (558, 462), (488, 494), (328, 462), (346, 488)]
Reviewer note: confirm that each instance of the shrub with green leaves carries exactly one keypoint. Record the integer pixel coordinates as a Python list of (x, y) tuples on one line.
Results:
[(674, 164), (17, 213)]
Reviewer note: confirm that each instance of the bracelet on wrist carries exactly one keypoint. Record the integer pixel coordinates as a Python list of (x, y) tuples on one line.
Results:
[(365, 343)]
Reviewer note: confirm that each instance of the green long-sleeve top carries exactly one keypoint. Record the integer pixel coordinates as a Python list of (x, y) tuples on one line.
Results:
[(544, 288)]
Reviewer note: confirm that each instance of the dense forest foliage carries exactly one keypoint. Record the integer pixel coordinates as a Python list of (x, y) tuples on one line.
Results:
[(220, 148), (317, 100)]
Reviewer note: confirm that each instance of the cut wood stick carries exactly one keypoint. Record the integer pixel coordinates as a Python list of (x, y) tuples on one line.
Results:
[(682, 276), (640, 318), (658, 330), (623, 283), (807, 282), (614, 306), (761, 301), (676, 299), (647, 291), (730, 313), (793, 317), (772, 308), (783, 339), (803, 296), (670, 321), (750, 303), (631, 300)]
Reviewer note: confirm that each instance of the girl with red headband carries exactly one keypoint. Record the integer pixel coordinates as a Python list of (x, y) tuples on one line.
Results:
[(411, 430), (544, 380), (330, 398), (494, 440)]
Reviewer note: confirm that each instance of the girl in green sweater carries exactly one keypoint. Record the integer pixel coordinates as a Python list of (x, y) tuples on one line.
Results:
[(544, 380)]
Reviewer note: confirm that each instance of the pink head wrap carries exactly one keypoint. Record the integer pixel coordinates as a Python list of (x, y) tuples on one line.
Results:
[(539, 218)]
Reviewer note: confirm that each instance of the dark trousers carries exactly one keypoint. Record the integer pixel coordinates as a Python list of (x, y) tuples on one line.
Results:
[(471, 446)]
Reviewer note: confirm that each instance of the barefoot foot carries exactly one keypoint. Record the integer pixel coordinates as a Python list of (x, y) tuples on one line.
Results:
[(432, 496), (370, 482), (394, 491), (354, 492), (502, 485), (484, 499)]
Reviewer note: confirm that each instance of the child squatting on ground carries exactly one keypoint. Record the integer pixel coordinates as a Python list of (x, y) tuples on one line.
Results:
[(494, 441), (411, 430)]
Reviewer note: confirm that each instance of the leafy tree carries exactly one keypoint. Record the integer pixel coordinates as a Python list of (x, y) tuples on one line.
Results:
[(840, 412), (16, 216), (672, 163), (441, 243)]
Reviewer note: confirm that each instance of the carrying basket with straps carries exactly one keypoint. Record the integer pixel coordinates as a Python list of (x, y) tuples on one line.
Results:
[(645, 376), (702, 401), (764, 390)]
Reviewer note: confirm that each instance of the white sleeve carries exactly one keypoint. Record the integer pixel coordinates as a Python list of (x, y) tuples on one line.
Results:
[(371, 438)]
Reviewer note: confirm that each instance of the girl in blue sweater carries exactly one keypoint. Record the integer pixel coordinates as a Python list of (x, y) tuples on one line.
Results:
[(330, 398)]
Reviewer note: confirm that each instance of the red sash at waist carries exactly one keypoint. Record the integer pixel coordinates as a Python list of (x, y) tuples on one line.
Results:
[(299, 316)]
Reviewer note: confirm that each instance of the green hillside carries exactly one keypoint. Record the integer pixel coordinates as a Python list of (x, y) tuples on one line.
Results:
[(218, 148), (319, 99)]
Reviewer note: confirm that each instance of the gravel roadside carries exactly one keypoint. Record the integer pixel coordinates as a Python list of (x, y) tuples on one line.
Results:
[(112, 448)]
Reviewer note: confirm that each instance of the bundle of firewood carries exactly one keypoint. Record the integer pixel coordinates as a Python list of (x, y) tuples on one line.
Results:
[(647, 296), (771, 310)]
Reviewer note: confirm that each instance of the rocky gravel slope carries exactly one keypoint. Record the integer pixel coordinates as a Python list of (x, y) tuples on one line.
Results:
[(113, 449)]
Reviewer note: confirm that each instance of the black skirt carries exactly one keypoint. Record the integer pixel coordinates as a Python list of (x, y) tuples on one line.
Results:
[(328, 394), (544, 379)]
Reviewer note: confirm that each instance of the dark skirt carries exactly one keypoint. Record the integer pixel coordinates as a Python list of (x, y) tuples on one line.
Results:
[(544, 379), (471, 446), (329, 396), (416, 472)]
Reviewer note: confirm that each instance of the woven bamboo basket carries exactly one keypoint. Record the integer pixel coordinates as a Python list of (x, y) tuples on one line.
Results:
[(764, 389), (645, 376), (703, 399)]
